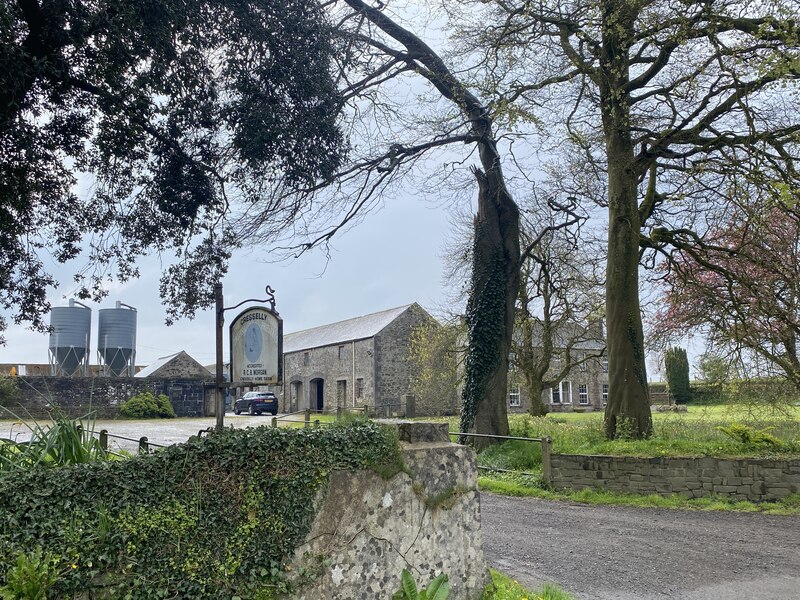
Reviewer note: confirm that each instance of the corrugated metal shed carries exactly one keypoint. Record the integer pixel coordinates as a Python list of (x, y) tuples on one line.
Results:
[(358, 328)]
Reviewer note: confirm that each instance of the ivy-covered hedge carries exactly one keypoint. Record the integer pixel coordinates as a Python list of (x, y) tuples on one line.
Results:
[(213, 518)]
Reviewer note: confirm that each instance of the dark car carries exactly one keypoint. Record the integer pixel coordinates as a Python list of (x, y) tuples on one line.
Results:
[(256, 403)]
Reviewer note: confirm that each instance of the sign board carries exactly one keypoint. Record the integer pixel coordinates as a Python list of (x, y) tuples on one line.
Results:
[(256, 337)]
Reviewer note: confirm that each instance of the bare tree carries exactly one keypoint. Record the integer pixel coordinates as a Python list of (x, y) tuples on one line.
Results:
[(378, 54), (659, 103), (560, 300)]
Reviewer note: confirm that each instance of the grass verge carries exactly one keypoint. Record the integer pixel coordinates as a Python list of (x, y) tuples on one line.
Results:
[(518, 485), (504, 587)]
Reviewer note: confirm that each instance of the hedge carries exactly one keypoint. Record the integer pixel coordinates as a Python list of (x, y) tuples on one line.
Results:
[(217, 517)]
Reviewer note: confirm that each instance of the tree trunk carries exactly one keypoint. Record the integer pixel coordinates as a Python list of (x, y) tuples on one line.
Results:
[(490, 310), (628, 409), (534, 388)]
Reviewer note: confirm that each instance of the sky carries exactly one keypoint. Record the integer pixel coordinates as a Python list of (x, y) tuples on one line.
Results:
[(389, 260)]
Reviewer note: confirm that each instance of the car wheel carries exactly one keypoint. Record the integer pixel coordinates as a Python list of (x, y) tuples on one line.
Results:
[(251, 410), (236, 409), (274, 412)]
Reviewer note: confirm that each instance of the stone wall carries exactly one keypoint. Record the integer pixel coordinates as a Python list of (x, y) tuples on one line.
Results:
[(332, 364), (78, 396), (368, 529), (393, 371), (741, 479)]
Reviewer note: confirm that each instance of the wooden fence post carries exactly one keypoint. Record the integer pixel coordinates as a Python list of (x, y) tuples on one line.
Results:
[(104, 439), (144, 447), (308, 417), (274, 421), (547, 469)]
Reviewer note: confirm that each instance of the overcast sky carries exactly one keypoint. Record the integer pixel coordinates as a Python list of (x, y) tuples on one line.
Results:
[(391, 259)]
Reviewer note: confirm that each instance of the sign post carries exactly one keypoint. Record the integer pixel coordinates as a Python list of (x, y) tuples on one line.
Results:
[(256, 346)]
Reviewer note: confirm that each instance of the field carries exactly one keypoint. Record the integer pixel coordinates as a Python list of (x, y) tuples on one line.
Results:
[(722, 431)]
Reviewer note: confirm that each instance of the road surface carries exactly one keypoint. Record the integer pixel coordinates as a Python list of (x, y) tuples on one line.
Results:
[(624, 553)]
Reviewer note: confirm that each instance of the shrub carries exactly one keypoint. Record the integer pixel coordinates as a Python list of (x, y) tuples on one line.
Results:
[(65, 442), (30, 577), (677, 367), (148, 406), (749, 437), (9, 392)]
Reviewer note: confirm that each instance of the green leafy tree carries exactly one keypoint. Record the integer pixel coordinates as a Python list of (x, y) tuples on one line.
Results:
[(676, 365), (173, 109), (715, 370), (436, 353)]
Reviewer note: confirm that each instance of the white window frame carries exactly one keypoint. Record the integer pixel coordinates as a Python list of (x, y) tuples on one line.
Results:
[(555, 392), (605, 393), (582, 366), (566, 393), (513, 396), (563, 391), (583, 393), (604, 363)]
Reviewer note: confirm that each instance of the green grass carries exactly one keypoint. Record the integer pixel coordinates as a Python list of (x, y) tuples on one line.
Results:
[(503, 587), (518, 485), (694, 433)]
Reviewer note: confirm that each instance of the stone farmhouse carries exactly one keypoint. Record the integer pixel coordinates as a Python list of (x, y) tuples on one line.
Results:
[(585, 387), (354, 363)]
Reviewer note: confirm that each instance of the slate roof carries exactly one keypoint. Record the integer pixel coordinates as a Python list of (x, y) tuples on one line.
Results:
[(164, 360), (358, 328)]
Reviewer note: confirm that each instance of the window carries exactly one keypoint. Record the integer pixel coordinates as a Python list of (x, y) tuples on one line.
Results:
[(306, 359), (341, 352), (556, 360), (359, 387), (605, 393), (341, 392), (566, 392), (583, 393), (555, 395), (604, 362), (513, 396), (582, 365)]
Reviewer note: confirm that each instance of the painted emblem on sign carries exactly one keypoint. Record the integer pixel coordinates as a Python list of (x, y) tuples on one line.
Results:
[(253, 342)]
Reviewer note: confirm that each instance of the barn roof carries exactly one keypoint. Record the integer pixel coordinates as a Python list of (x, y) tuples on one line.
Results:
[(358, 328)]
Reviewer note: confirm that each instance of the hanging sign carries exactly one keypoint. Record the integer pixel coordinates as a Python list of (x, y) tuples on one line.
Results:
[(256, 337)]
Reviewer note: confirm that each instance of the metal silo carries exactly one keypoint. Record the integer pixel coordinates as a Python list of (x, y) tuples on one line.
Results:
[(71, 328), (116, 340)]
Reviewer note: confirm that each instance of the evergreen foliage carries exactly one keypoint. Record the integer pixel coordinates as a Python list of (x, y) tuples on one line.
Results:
[(173, 107), (677, 366)]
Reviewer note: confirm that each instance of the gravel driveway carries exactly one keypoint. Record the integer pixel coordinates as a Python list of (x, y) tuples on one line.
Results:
[(622, 553), (159, 431)]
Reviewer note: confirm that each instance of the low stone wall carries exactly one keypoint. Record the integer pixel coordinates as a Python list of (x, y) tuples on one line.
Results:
[(77, 396), (741, 479), (368, 529)]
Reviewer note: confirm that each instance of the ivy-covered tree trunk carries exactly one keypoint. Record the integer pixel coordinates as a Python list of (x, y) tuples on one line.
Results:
[(628, 408), (490, 309)]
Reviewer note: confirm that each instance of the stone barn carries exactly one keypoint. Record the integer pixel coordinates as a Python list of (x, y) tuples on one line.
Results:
[(353, 363)]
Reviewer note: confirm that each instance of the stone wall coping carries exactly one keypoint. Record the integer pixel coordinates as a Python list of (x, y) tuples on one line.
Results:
[(638, 459), (415, 432)]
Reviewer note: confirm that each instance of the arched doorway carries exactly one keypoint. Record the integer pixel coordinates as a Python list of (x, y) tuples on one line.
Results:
[(317, 396)]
